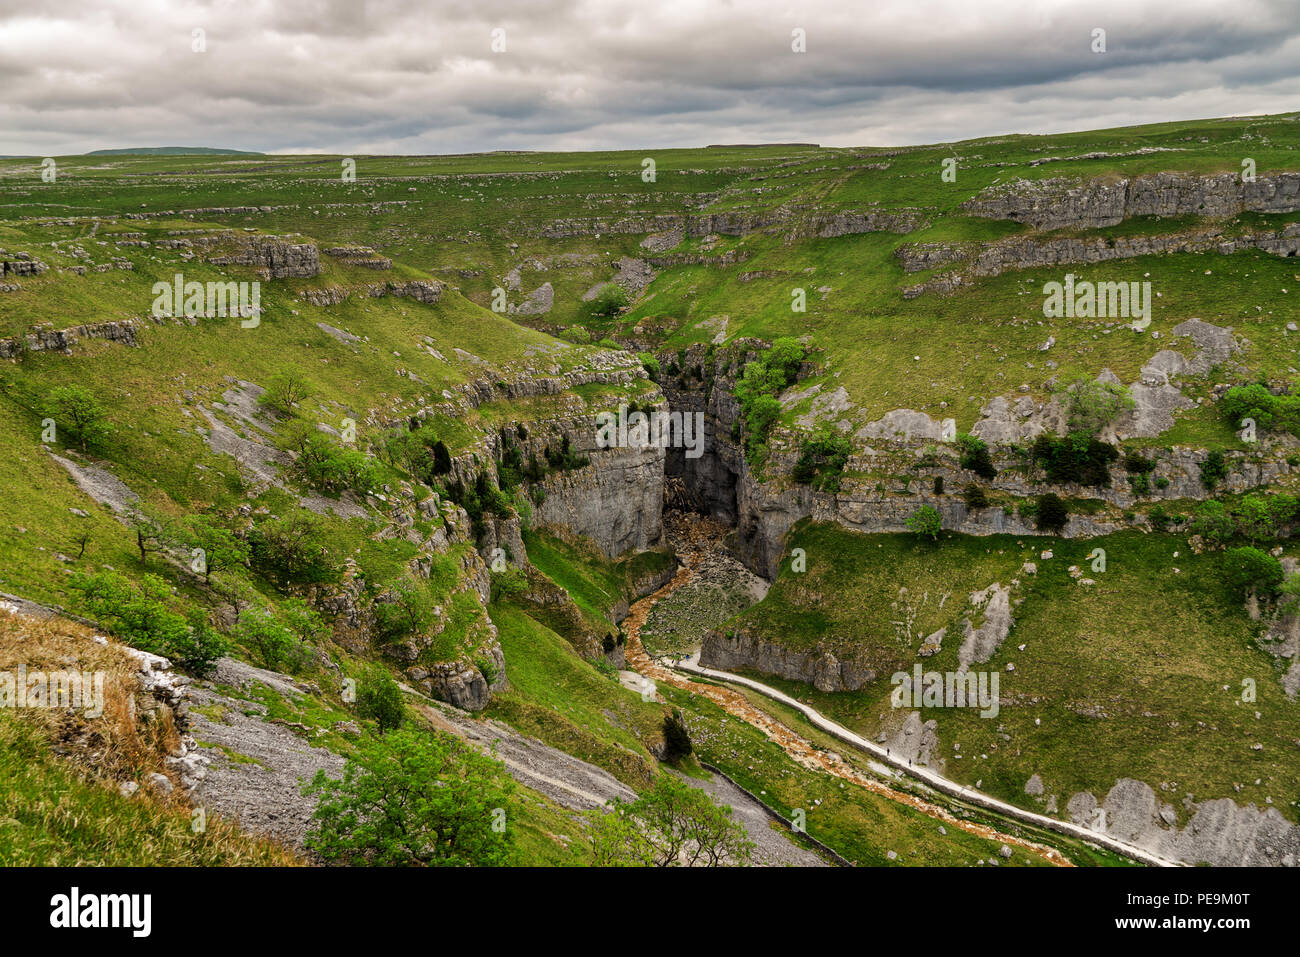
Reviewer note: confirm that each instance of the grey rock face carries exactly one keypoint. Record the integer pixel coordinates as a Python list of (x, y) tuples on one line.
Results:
[(902, 424), (44, 339), (1220, 833), (617, 500), (796, 222), (997, 257), (21, 265), (280, 259), (359, 256), (817, 666), (982, 643), (538, 303), (1057, 203), (461, 683)]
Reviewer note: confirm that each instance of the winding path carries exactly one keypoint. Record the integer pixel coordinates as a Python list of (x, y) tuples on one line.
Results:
[(808, 755), (937, 781)]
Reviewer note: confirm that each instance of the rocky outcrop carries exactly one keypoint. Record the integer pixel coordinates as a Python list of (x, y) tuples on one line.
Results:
[(21, 264), (359, 256), (538, 303), (818, 666), (1220, 833), (1058, 203), (796, 222), (903, 425), (421, 290), (46, 339), (721, 484), (995, 258), (276, 258), (616, 500), (462, 683), (982, 643)]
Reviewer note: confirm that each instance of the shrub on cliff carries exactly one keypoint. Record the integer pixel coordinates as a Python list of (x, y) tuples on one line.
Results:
[(975, 497), (651, 365), (1076, 458), (821, 461), (1051, 513), (926, 522), (975, 456), (1213, 470), (757, 390), (379, 698)]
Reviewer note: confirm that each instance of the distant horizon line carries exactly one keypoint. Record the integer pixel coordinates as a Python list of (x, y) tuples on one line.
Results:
[(275, 151)]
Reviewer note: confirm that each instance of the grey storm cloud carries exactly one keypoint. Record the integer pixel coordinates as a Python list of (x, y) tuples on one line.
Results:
[(350, 76)]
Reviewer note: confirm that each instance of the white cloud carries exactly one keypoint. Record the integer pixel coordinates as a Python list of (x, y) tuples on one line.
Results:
[(400, 75)]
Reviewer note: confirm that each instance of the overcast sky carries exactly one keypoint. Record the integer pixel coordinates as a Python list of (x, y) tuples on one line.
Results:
[(400, 76)]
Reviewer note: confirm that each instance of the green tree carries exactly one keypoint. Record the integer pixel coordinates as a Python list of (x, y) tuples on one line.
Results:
[(274, 643), (617, 839), (284, 392), (925, 521), (1255, 518), (293, 549), (677, 738), (414, 798), (682, 826), (198, 647), (1052, 512), (406, 609), (1213, 523), (76, 411), (379, 698), (610, 301), (757, 390), (1250, 570), (785, 356), (221, 548), (1255, 402), (140, 614), (1091, 405)]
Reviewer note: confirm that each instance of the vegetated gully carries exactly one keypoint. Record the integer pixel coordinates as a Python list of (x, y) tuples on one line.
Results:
[(699, 542)]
